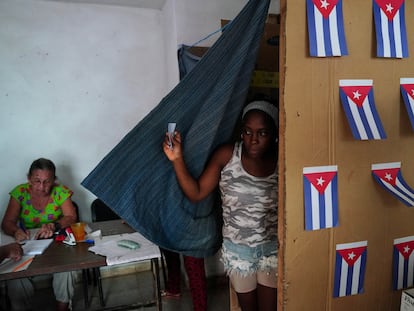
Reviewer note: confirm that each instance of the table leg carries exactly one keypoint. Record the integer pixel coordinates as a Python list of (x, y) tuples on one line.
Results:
[(97, 273), (85, 281), (156, 274)]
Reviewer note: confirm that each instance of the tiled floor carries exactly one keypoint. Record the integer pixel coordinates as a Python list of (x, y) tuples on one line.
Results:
[(133, 289)]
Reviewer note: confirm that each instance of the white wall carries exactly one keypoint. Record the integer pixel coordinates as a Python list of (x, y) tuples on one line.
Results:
[(170, 43), (74, 79), (77, 76)]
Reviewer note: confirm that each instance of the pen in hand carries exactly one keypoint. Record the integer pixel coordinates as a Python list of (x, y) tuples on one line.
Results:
[(20, 237)]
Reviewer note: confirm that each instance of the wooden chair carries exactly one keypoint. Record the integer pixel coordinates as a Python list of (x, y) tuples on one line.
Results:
[(101, 212)]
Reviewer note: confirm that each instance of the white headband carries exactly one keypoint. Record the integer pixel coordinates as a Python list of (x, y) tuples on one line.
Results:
[(264, 106)]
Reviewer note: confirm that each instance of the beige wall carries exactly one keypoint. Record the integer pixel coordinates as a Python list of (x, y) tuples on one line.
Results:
[(315, 132)]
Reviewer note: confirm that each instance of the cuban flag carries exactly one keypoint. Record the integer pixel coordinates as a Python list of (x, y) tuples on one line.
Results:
[(389, 176), (320, 186), (407, 92), (326, 28), (357, 99), (389, 16), (350, 265), (403, 263)]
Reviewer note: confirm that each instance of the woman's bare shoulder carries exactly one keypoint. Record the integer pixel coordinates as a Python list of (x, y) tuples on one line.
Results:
[(223, 153)]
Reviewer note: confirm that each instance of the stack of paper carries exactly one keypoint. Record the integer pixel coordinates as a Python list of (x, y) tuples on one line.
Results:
[(36, 247), (9, 265), (108, 246), (30, 247)]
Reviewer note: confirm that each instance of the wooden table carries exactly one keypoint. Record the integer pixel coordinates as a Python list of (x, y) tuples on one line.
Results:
[(59, 257)]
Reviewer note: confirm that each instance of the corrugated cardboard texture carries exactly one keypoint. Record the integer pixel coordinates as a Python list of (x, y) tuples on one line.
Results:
[(265, 82), (314, 132)]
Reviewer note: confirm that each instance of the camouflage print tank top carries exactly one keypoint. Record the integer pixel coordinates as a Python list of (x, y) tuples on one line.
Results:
[(249, 203)]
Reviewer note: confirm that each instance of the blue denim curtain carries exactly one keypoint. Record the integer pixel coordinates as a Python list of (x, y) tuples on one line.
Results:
[(136, 179)]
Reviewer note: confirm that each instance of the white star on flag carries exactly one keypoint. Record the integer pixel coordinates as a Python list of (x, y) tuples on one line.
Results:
[(388, 176), (324, 4), (320, 181), (356, 94)]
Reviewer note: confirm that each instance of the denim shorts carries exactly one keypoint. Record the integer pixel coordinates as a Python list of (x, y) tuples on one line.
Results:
[(246, 260)]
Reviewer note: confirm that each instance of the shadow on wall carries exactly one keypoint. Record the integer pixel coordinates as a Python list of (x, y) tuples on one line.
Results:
[(65, 176)]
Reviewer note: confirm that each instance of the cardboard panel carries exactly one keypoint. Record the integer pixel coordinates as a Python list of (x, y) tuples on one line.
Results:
[(265, 78), (314, 132)]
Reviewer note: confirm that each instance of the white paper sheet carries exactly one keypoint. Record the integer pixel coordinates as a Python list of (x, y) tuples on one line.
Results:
[(107, 246), (9, 265), (7, 239), (30, 247), (36, 247)]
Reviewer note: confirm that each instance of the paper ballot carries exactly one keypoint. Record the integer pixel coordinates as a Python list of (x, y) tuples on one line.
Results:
[(171, 130), (30, 247), (36, 247), (9, 265)]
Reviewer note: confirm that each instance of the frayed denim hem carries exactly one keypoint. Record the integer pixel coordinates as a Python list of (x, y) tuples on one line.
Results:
[(245, 261)]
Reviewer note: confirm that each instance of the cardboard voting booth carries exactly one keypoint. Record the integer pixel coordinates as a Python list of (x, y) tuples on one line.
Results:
[(345, 227)]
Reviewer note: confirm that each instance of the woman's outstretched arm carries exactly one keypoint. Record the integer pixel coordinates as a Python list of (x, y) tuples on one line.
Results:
[(196, 189)]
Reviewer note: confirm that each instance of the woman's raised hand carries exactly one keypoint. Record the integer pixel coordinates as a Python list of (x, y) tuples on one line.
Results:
[(46, 231), (21, 235), (172, 146)]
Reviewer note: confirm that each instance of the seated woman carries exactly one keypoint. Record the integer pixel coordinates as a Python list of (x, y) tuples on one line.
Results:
[(44, 204)]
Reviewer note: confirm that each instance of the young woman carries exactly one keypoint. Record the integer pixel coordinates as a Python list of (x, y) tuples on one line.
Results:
[(246, 173)]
